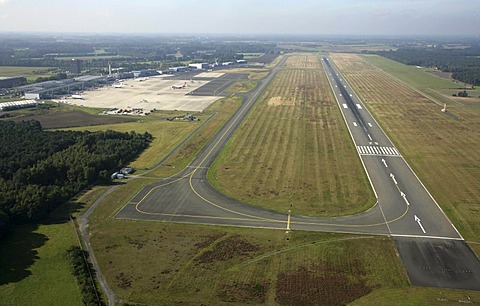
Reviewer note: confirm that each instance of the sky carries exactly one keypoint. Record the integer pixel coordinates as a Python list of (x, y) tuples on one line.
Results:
[(317, 17)]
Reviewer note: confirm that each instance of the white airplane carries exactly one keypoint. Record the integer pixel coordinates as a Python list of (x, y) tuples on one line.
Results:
[(77, 97), (180, 86), (142, 79), (118, 85)]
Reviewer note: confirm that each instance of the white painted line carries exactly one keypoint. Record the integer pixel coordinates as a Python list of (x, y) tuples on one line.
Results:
[(384, 162), (390, 151), (431, 237), (370, 150), (376, 143), (370, 137), (340, 95), (359, 106), (396, 152), (345, 105), (376, 150), (354, 123), (351, 95), (417, 219), (336, 86), (369, 124), (345, 86)]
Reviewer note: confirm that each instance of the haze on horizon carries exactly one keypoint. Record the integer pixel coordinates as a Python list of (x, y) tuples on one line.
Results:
[(318, 17)]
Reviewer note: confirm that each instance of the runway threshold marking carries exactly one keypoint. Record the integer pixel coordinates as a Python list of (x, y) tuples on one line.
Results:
[(345, 105), (377, 151)]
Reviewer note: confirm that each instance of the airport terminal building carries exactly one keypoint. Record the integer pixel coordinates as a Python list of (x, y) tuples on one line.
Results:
[(9, 82), (52, 89)]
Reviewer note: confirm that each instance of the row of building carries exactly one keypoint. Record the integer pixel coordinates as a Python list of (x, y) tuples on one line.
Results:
[(6, 106)]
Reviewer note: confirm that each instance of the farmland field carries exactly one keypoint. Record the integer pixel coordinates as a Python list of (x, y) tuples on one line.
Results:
[(56, 120), (293, 150), (443, 150), (31, 73), (303, 61), (437, 88)]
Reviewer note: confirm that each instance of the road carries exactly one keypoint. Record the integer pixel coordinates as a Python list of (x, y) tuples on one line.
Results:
[(404, 209)]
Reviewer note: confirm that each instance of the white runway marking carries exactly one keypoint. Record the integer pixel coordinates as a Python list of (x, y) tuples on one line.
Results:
[(359, 106), (377, 151), (370, 125), (345, 105), (354, 123)]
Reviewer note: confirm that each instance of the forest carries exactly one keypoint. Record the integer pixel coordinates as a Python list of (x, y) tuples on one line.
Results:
[(39, 170), (464, 63)]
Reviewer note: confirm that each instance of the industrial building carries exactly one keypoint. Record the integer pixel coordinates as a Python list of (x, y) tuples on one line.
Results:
[(6, 106), (9, 82), (51, 89), (145, 73), (178, 69), (199, 65)]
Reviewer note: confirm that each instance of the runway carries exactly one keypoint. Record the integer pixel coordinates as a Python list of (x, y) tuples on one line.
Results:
[(404, 210)]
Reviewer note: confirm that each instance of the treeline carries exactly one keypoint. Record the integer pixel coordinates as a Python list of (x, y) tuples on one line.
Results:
[(40, 170), (84, 274), (463, 63)]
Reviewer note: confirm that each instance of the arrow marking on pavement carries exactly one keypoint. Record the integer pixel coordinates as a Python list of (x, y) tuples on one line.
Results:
[(417, 219), (384, 162), (393, 178), (405, 198)]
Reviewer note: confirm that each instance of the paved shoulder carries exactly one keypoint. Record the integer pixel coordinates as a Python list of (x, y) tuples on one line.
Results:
[(439, 263)]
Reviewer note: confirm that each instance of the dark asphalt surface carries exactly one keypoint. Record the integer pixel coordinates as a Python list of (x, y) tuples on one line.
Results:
[(404, 210)]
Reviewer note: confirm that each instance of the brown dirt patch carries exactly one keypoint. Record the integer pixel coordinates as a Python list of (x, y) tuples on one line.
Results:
[(208, 240), (275, 101), (322, 284), (243, 292), (71, 119), (227, 249)]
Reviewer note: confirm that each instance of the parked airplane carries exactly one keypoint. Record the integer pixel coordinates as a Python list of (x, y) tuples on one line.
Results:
[(180, 86), (118, 85)]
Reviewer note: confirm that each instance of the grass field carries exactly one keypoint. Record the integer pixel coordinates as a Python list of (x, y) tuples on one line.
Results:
[(242, 86), (303, 61), (196, 264), (31, 73), (442, 150), (437, 88), (293, 150), (33, 266), (253, 73)]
